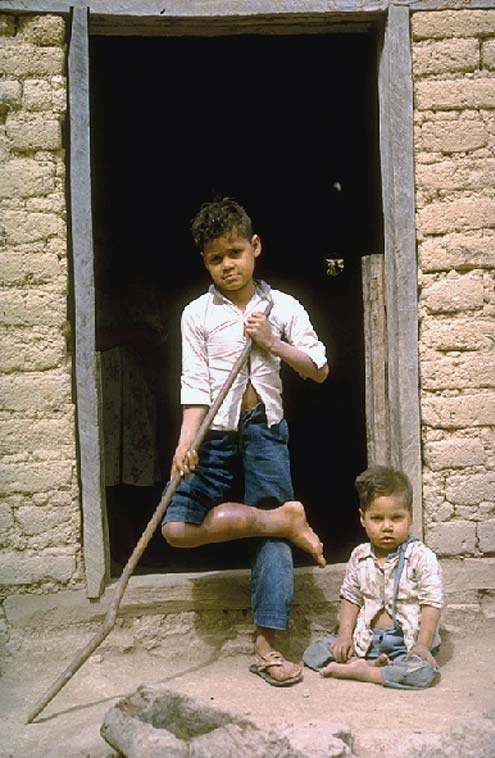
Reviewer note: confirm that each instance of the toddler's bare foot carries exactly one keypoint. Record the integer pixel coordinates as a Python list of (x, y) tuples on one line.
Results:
[(300, 532), (382, 660), (356, 668)]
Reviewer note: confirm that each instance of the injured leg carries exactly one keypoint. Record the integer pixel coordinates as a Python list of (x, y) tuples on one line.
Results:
[(231, 521)]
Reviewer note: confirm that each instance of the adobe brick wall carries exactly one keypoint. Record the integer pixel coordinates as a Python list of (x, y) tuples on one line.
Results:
[(454, 91), (454, 78), (39, 507)]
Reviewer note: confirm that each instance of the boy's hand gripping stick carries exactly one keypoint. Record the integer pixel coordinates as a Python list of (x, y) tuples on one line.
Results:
[(111, 615)]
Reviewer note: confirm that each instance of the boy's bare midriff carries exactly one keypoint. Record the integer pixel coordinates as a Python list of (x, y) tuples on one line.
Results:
[(382, 620), (250, 398)]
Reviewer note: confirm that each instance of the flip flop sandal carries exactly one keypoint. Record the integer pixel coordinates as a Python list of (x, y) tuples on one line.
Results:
[(273, 658)]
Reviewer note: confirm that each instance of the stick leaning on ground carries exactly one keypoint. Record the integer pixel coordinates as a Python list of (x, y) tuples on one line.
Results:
[(111, 615)]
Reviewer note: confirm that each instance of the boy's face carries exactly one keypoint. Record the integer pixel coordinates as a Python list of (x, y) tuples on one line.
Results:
[(230, 261), (387, 521)]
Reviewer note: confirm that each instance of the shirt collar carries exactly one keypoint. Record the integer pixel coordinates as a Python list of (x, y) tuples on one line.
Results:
[(262, 290), (368, 551)]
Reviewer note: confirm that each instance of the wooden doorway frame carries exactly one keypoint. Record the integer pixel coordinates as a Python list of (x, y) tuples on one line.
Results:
[(398, 384)]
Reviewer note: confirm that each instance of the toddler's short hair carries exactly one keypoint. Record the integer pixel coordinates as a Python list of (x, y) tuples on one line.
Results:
[(381, 480), (219, 218)]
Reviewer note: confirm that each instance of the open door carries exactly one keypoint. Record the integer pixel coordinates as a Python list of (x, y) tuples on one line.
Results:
[(287, 126)]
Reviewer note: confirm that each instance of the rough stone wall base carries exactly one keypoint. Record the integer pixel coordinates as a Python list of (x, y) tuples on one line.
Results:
[(203, 616)]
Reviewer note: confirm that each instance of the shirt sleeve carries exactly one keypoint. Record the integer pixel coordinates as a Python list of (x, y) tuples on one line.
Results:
[(429, 578), (351, 589), (300, 333), (195, 379)]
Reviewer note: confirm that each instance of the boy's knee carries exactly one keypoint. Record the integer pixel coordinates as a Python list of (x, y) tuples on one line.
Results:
[(275, 555), (173, 533), (410, 672)]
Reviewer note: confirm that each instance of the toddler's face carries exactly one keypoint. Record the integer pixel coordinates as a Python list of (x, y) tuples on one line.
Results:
[(387, 521)]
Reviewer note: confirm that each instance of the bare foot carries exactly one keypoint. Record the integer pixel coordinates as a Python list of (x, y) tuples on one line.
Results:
[(345, 670), (382, 660), (300, 532), (358, 669)]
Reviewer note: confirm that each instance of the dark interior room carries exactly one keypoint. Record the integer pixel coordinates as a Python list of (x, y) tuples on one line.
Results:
[(286, 125)]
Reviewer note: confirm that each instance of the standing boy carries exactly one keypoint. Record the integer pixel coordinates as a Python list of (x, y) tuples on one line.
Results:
[(249, 427), (390, 598)]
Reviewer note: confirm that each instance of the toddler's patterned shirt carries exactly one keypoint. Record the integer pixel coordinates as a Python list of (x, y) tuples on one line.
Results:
[(370, 586)]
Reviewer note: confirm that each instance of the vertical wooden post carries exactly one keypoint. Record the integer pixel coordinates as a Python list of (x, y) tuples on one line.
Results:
[(376, 360), (397, 162), (95, 542)]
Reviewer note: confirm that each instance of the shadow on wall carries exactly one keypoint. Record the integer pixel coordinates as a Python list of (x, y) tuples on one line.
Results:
[(223, 617)]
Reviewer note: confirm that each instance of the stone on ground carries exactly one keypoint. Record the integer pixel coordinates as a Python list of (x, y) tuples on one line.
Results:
[(156, 721)]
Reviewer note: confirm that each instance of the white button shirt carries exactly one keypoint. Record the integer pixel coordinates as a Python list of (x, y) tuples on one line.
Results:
[(370, 586), (213, 337)]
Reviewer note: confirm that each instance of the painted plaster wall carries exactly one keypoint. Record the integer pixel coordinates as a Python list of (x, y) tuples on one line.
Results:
[(454, 98), (39, 507)]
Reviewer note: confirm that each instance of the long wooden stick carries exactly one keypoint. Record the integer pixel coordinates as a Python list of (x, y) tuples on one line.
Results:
[(111, 615)]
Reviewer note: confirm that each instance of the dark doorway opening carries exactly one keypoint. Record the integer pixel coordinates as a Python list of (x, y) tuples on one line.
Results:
[(289, 127)]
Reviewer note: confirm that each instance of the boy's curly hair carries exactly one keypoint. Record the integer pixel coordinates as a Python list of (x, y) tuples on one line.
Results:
[(220, 218), (381, 480)]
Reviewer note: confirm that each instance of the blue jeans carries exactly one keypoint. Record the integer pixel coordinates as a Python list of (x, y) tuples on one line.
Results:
[(405, 672), (258, 454)]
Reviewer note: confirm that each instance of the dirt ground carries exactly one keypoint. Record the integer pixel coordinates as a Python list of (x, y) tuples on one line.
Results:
[(379, 718)]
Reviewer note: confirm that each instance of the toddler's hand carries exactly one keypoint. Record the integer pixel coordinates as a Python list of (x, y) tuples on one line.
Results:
[(342, 649), (423, 652)]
